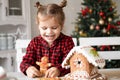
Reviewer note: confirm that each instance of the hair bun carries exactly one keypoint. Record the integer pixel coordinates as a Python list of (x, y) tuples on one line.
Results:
[(38, 5), (63, 3)]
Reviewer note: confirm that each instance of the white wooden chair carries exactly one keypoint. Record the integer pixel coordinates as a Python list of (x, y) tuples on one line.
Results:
[(108, 55), (98, 41), (75, 41), (20, 47)]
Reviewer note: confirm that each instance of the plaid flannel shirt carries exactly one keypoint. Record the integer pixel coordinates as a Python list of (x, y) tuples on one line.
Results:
[(38, 48)]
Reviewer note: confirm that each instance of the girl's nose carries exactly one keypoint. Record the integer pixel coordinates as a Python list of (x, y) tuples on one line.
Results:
[(49, 30)]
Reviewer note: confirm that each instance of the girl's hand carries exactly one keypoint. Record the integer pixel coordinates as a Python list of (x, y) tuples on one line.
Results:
[(52, 72), (32, 72)]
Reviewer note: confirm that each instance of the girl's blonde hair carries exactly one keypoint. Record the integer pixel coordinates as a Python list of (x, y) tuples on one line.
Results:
[(52, 10)]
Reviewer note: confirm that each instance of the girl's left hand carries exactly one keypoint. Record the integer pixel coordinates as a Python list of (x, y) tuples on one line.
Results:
[(52, 72)]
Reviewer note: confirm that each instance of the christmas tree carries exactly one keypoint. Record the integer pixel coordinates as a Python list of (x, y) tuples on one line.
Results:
[(98, 18)]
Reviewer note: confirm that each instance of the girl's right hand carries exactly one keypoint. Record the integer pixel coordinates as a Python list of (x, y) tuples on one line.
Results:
[(32, 72)]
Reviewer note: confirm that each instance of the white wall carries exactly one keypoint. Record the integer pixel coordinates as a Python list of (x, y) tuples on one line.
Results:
[(73, 6)]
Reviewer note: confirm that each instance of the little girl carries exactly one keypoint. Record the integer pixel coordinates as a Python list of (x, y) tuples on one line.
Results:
[(51, 42)]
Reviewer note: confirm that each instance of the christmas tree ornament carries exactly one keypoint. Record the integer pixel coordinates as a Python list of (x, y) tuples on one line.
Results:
[(101, 13), (118, 22), (108, 33), (97, 27), (111, 9), (103, 48), (104, 30), (83, 34), (91, 27), (79, 19), (108, 27), (104, 17), (87, 9), (90, 10), (80, 33), (83, 12), (109, 19), (113, 4), (76, 28), (104, 1), (101, 21), (113, 47)]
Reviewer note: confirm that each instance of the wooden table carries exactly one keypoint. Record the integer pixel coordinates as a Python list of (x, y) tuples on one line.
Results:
[(17, 76), (112, 74)]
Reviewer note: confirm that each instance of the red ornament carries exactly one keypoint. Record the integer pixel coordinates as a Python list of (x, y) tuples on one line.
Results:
[(101, 13), (111, 9), (118, 22), (97, 27), (104, 17), (102, 48), (105, 0), (110, 26), (85, 11)]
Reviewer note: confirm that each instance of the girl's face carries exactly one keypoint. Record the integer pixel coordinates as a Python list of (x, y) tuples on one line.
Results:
[(49, 29)]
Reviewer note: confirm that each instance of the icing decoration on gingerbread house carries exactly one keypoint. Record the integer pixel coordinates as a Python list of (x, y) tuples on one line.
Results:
[(83, 62)]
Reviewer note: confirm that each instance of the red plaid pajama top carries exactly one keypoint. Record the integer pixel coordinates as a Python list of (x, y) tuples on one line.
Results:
[(38, 48)]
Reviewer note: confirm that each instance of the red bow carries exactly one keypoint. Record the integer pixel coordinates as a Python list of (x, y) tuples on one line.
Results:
[(111, 26)]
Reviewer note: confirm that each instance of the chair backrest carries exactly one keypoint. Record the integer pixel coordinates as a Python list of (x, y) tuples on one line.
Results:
[(98, 41), (20, 47), (75, 41)]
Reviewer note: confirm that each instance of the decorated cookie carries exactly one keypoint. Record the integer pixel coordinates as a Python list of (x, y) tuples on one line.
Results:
[(44, 64)]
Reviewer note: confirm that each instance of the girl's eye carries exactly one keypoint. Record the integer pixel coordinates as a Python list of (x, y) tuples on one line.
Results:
[(44, 28), (54, 27)]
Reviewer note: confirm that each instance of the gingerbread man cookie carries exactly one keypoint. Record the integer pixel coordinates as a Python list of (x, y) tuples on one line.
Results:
[(44, 64)]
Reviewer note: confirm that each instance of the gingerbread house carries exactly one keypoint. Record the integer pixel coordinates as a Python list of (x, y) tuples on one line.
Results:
[(83, 62)]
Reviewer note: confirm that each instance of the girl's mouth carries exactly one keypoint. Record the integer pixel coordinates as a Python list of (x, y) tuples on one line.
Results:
[(49, 35)]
